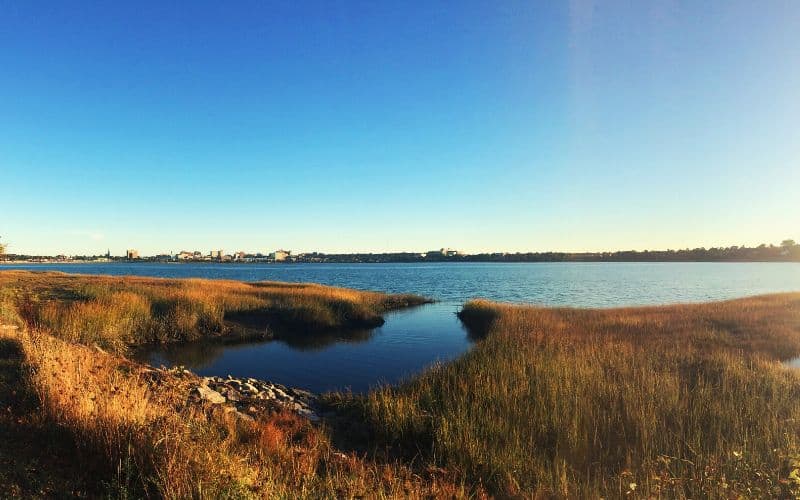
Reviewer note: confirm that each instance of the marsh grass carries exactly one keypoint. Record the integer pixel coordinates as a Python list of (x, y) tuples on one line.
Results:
[(688, 401), (143, 440), (116, 312), (673, 401)]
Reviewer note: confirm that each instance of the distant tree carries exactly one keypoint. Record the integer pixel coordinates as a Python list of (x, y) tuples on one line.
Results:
[(788, 243)]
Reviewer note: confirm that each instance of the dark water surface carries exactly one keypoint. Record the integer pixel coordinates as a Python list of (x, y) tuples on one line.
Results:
[(408, 341), (413, 339)]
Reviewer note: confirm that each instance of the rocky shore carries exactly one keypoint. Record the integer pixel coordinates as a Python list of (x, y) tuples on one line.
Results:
[(249, 398)]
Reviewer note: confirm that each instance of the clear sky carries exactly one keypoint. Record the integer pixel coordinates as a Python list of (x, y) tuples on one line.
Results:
[(343, 126)]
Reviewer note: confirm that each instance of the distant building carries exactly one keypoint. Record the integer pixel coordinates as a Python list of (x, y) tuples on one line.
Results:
[(280, 255), (184, 255), (132, 254), (443, 252), (216, 254)]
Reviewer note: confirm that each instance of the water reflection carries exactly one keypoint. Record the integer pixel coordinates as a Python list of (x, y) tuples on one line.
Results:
[(202, 353), (195, 355), (320, 340), (409, 341)]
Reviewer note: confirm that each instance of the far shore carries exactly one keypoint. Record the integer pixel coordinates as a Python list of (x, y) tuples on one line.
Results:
[(586, 261), (787, 251)]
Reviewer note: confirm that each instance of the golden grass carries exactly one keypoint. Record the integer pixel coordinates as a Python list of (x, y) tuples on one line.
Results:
[(675, 401), (147, 442), (115, 312), (688, 401), (142, 438), (146, 445)]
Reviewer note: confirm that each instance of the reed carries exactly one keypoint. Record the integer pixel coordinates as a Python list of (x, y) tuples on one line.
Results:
[(116, 312), (677, 401), (141, 439), (687, 401)]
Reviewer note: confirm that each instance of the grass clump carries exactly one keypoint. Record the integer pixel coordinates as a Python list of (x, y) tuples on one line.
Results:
[(688, 401), (140, 439), (116, 312)]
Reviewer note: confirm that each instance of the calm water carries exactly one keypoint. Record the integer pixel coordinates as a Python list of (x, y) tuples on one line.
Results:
[(411, 340)]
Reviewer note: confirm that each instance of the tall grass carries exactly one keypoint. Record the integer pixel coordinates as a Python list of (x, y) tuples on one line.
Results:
[(115, 312), (681, 401), (675, 401), (144, 440)]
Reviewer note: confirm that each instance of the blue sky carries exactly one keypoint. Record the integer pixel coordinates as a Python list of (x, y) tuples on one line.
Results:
[(343, 126)]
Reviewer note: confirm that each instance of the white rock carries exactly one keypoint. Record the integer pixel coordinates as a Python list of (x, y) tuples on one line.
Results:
[(210, 395)]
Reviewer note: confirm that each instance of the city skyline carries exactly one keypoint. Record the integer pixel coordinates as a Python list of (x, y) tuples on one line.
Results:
[(575, 126), (787, 249)]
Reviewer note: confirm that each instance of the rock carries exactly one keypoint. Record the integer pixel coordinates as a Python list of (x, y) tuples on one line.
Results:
[(303, 394), (250, 397), (209, 395)]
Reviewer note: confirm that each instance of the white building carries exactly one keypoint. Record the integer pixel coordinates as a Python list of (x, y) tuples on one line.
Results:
[(280, 255)]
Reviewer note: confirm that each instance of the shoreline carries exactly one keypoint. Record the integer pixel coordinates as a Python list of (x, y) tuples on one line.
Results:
[(599, 261)]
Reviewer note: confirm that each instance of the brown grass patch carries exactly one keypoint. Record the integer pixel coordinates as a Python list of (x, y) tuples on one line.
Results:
[(116, 312), (142, 439), (686, 400)]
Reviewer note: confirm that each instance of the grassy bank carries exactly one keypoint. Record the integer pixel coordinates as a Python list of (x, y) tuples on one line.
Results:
[(687, 400), (116, 312), (675, 401), (134, 438)]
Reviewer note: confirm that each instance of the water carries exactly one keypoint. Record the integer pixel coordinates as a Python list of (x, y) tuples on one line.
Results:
[(408, 341), (413, 339), (573, 284)]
